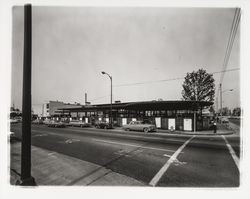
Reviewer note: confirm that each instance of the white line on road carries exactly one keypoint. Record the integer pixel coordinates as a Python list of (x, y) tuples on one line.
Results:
[(165, 167), (133, 145), (232, 152)]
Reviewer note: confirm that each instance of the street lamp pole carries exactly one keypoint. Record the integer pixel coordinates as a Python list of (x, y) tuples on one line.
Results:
[(221, 92), (111, 118), (220, 100)]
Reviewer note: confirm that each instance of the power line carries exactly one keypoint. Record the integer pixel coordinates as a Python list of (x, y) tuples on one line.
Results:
[(170, 79), (231, 40), (230, 43)]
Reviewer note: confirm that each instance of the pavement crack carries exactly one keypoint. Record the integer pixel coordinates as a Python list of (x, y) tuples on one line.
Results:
[(14, 170), (85, 176), (99, 177)]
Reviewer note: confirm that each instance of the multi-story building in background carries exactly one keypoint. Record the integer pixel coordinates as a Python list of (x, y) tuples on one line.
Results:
[(51, 108)]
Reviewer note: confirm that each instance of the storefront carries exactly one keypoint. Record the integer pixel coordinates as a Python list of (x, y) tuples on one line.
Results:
[(171, 115)]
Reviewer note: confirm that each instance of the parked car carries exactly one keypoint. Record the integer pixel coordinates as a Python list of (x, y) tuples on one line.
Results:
[(79, 123), (37, 121), (13, 121), (224, 120), (139, 126), (56, 124), (47, 121), (19, 119), (103, 125)]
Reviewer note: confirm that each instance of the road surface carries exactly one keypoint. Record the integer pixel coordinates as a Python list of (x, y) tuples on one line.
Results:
[(168, 161)]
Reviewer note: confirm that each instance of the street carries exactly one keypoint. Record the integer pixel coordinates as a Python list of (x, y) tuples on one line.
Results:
[(155, 160)]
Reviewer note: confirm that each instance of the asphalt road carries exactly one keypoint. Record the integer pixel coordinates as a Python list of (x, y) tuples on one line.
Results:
[(171, 161)]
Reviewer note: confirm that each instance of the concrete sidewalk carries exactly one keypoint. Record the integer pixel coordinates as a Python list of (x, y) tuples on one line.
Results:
[(162, 132), (52, 168)]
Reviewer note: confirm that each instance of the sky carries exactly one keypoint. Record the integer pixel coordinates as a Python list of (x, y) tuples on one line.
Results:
[(72, 45)]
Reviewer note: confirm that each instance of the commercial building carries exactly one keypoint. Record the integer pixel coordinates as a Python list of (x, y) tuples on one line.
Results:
[(172, 115), (50, 109)]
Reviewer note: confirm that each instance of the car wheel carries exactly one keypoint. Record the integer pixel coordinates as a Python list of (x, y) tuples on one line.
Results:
[(146, 130)]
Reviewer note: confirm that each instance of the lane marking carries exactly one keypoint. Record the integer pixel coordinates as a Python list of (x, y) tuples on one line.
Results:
[(165, 167), (166, 155), (133, 145), (232, 152)]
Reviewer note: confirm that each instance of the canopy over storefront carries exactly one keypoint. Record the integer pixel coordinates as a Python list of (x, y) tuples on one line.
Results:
[(145, 105)]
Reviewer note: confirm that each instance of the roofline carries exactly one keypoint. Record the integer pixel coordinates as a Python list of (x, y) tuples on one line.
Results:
[(127, 104)]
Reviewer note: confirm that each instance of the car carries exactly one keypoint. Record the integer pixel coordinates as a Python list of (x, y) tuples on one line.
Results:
[(224, 120), (13, 121), (19, 119), (37, 121), (103, 125), (56, 124), (47, 121), (139, 126), (79, 123)]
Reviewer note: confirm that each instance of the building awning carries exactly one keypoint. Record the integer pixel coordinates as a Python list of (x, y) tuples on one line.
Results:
[(145, 105)]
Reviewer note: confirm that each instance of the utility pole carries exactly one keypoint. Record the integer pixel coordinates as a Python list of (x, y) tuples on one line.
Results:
[(220, 99), (26, 178)]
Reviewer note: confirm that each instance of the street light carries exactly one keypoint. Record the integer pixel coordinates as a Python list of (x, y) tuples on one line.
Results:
[(221, 97), (110, 77)]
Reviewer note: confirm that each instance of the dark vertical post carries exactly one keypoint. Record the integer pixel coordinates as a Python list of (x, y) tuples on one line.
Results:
[(220, 100), (26, 178), (111, 118), (85, 98)]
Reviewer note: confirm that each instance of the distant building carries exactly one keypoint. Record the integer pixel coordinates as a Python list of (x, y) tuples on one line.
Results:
[(37, 109), (51, 108)]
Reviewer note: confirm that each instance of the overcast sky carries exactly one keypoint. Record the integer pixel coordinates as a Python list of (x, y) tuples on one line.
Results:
[(72, 45)]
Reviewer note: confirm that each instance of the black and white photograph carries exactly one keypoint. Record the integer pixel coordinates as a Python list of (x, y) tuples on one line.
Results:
[(126, 96)]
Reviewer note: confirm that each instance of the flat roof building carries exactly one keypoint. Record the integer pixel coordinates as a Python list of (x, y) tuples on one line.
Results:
[(172, 115)]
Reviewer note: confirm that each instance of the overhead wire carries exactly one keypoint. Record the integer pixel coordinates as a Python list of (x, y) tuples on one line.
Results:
[(170, 79), (229, 47)]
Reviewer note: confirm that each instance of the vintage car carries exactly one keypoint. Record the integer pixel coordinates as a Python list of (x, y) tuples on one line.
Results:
[(53, 123), (37, 121), (103, 125), (224, 120), (13, 121), (79, 123), (139, 126)]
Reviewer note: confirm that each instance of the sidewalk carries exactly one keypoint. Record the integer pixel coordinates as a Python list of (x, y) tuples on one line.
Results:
[(52, 168), (162, 132)]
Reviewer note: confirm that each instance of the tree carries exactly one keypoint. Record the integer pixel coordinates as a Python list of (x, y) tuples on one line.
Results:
[(237, 111), (225, 111), (198, 86), (211, 109)]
